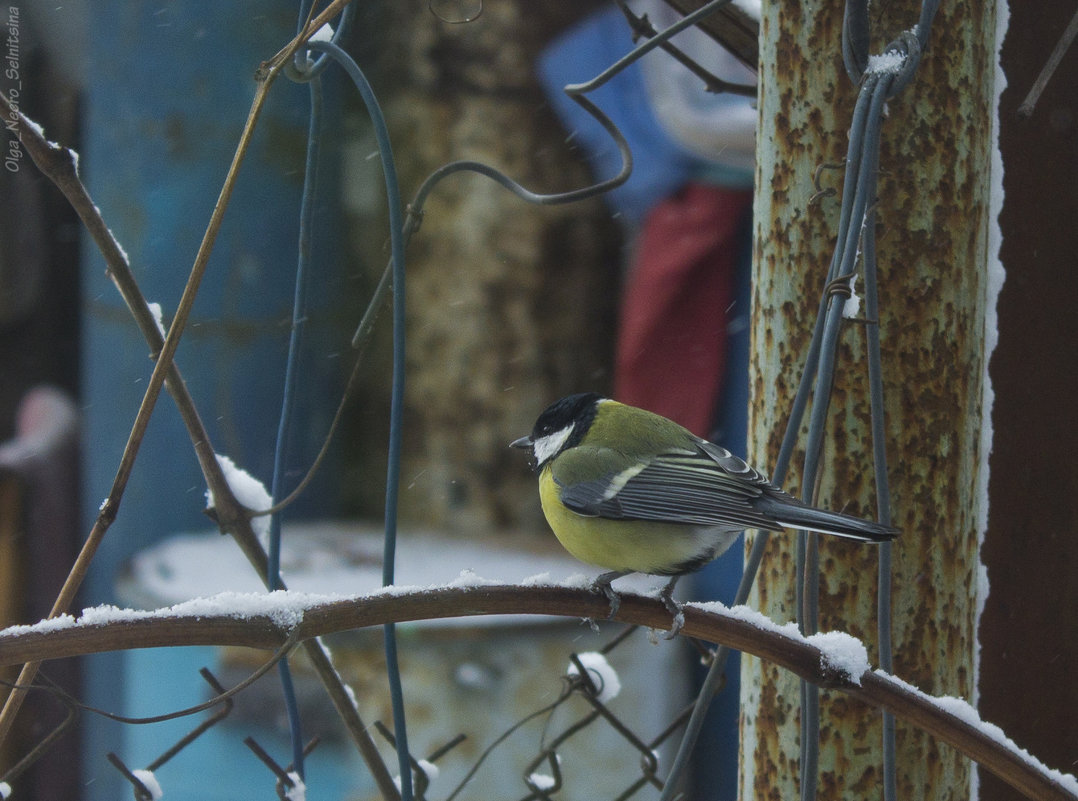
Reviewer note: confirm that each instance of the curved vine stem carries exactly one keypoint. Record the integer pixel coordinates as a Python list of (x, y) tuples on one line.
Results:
[(952, 721)]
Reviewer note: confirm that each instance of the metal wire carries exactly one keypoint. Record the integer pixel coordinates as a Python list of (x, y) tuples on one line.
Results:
[(640, 51), (857, 221), (415, 209), (1025, 108), (422, 779), (397, 242), (856, 238), (304, 70), (71, 716), (280, 456), (842, 263), (580, 685), (856, 225), (300, 70), (401, 229), (285, 783), (140, 790), (201, 728), (641, 26)]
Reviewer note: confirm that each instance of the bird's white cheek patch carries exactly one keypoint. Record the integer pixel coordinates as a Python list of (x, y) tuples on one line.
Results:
[(548, 446)]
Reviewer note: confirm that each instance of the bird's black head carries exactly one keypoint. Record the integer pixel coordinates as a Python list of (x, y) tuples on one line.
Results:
[(562, 425)]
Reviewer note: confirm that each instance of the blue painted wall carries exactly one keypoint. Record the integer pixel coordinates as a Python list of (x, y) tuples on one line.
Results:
[(168, 90)]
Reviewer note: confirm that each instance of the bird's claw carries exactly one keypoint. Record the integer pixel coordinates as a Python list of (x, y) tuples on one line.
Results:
[(613, 598), (602, 584), (674, 608), (678, 612)]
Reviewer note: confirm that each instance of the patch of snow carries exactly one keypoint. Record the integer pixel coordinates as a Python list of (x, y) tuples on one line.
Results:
[(248, 490), (285, 608), (298, 790), (842, 652), (42, 627), (749, 615), (323, 34), (839, 650), (996, 275), (890, 62), (602, 675), (538, 580), (965, 712), (473, 676), (430, 769), (469, 578), (577, 581), (852, 307), (149, 781), (541, 781), (155, 310)]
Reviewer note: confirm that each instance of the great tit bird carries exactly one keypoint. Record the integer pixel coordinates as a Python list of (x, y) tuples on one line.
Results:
[(634, 492)]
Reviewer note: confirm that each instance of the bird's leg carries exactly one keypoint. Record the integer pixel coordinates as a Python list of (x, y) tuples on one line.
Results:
[(673, 607), (602, 584)]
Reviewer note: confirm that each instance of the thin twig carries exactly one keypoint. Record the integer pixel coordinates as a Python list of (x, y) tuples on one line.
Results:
[(59, 165), (1026, 108)]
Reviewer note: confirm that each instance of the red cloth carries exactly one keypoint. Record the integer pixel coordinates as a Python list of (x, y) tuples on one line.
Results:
[(671, 349)]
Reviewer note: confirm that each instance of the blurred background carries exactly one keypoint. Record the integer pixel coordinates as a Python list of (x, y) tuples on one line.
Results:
[(642, 294), (510, 306)]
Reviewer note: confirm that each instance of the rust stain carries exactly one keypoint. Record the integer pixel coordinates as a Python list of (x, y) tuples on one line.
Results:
[(933, 198)]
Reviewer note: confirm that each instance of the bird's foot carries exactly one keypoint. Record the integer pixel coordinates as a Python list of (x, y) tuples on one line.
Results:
[(673, 607), (602, 584)]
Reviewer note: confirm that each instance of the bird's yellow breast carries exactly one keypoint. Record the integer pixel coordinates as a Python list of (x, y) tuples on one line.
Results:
[(623, 545)]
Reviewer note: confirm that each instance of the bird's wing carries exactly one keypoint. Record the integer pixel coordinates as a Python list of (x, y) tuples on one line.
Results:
[(705, 486)]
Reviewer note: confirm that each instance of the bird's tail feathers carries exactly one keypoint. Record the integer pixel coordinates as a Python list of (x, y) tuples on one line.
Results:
[(837, 524)]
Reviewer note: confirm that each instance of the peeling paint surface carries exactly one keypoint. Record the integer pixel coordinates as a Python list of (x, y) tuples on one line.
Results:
[(933, 205)]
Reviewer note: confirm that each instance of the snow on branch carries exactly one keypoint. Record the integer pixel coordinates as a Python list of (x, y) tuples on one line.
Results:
[(833, 660)]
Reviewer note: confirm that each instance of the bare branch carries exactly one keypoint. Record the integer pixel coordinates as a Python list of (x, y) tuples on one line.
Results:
[(59, 164), (790, 651)]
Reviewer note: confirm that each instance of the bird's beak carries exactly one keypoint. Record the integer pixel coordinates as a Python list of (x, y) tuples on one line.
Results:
[(524, 443)]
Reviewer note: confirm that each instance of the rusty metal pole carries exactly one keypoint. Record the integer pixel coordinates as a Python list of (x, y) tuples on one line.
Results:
[(933, 204)]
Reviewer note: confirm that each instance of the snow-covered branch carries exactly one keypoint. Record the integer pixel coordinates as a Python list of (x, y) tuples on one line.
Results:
[(833, 660)]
